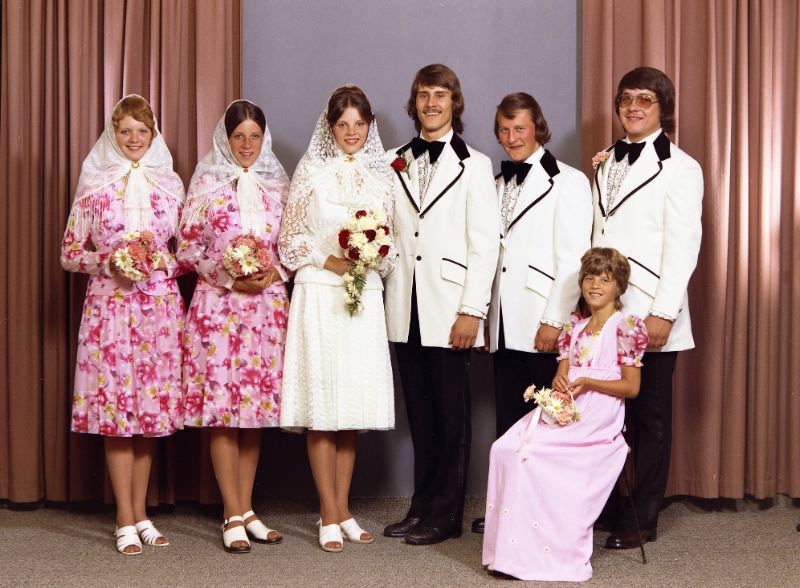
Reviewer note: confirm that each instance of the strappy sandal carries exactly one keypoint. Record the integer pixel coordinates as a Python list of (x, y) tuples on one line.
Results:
[(127, 536), (353, 532), (234, 535), (330, 534), (149, 534), (258, 531)]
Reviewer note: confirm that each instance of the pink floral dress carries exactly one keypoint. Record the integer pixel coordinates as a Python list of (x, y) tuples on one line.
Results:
[(548, 483), (128, 375), (234, 341)]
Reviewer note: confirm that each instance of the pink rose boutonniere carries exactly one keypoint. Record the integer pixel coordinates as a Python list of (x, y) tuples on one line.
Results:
[(600, 159)]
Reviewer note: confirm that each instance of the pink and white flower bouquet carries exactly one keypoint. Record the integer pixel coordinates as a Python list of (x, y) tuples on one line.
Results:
[(557, 407), (366, 241), (136, 256), (246, 255)]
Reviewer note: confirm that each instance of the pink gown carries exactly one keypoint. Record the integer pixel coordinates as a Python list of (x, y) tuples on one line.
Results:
[(128, 374), (233, 347), (548, 483)]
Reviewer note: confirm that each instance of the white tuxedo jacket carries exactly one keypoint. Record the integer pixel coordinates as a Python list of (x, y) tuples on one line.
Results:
[(449, 245), (540, 254), (655, 223)]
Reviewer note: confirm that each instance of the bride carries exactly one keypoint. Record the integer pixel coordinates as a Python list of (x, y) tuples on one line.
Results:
[(337, 372)]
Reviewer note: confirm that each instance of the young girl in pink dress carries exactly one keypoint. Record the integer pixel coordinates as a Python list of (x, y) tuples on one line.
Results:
[(128, 374), (548, 482), (236, 327)]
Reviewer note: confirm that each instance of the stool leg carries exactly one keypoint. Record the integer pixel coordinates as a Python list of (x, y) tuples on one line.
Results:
[(624, 480)]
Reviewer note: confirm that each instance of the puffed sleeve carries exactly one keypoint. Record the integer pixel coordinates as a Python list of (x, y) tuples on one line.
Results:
[(196, 251), (387, 265), (565, 338), (631, 341)]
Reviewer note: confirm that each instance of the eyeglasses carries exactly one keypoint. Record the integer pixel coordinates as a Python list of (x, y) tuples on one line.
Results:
[(644, 101)]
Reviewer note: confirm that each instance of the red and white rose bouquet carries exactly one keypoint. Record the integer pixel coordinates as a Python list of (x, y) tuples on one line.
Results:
[(366, 241), (557, 407), (136, 256), (246, 255)]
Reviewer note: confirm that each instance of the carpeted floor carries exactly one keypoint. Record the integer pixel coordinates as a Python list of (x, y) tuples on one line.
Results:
[(741, 546)]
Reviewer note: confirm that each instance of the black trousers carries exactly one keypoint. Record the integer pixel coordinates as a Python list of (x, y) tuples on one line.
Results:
[(649, 417), (513, 372), (436, 390)]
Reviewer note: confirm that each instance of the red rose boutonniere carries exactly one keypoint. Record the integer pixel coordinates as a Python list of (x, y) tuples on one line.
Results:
[(401, 164)]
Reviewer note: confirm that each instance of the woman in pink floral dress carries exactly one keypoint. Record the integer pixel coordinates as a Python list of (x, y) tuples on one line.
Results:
[(236, 328), (548, 482), (128, 375)]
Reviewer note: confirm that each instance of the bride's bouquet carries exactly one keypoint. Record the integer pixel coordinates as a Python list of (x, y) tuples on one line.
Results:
[(557, 407), (135, 257), (246, 255), (366, 241)]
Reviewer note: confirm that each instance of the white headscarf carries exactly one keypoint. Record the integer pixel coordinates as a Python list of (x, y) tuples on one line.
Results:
[(347, 172), (219, 168), (106, 164)]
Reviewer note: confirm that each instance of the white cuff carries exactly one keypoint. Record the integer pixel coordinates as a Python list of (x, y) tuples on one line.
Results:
[(469, 311)]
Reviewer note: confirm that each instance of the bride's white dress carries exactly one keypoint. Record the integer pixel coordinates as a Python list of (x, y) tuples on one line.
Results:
[(337, 370)]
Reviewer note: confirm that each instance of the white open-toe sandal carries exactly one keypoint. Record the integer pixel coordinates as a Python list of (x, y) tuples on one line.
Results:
[(149, 534), (353, 532), (127, 536), (258, 531), (330, 534), (234, 534)]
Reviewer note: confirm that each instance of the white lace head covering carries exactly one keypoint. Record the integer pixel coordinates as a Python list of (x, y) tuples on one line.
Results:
[(107, 163), (219, 168)]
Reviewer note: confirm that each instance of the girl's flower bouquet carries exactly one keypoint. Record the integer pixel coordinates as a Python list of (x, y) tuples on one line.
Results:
[(366, 241), (557, 407), (246, 255), (136, 256)]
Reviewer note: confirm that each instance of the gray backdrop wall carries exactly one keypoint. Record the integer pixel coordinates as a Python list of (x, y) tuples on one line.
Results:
[(297, 51)]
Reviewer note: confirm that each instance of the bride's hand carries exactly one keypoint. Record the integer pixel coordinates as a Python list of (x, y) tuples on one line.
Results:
[(338, 265)]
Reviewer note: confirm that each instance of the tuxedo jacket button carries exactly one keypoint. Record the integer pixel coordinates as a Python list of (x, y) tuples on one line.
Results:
[(419, 258), (416, 234), (504, 269)]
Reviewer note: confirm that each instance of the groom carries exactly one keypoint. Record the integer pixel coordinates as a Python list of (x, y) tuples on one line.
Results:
[(447, 227)]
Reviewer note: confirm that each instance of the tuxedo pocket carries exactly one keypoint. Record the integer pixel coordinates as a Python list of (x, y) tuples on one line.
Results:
[(454, 271), (643, 277), (539, 281)]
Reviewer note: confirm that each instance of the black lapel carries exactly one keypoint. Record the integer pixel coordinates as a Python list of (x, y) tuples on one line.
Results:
[(661, 145), (597, 182), (460, 148), (399, 153), (550, 165)]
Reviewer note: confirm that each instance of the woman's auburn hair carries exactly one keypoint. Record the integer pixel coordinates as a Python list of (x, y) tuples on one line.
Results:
[(347, 97), (138, 109), (606, 260)]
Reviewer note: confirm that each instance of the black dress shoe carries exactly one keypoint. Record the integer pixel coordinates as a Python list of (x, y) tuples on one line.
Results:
[(428, 535), (627, 538), (478, 525), (403, 527)]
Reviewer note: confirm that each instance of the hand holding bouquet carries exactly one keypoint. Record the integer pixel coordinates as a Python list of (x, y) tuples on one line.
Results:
[(557, 407), (136, 256), (365, 241), (245, 256)]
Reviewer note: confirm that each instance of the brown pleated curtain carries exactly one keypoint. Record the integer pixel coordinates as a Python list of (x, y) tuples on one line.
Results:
[(64, 66), (735, 67)]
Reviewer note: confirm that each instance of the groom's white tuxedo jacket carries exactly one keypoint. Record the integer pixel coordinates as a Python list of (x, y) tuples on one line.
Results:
[(448, 243), (540, 253), (655, 222)]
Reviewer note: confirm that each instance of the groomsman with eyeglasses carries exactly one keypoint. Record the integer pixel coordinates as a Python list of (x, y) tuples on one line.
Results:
[(647, 195), (546, 226), (446, 232)]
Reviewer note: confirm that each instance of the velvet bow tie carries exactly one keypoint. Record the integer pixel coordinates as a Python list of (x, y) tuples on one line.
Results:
[(420, 146), (509, 169), (632, 150)]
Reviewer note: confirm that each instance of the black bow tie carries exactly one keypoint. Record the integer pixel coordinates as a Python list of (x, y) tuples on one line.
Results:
[(632, 150), (509, 169), (420, 146)]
